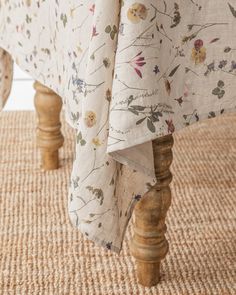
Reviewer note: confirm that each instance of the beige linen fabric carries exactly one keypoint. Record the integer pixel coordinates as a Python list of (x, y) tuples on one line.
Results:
[(128, 72), (6, 75)]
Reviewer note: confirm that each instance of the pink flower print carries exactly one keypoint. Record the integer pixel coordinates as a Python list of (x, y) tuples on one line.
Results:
[(92, 8), (170, 125), (137, 63), (94, 33), (186, 90)]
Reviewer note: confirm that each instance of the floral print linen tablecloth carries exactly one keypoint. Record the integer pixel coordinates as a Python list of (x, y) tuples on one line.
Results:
[(128, 72)]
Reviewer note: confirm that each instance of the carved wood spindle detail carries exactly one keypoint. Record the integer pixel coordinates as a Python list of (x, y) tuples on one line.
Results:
[(149, 245), (49, 137)]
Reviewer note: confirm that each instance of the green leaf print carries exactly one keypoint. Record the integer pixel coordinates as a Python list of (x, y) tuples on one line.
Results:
[(112, 31), (64, 19), (151, 126), (232, 9)]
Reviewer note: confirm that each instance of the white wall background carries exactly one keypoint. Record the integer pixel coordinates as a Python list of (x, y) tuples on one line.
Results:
[(22, 94)]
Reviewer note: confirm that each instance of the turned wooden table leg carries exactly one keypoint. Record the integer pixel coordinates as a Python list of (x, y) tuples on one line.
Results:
[(49, 137), (149, 245)]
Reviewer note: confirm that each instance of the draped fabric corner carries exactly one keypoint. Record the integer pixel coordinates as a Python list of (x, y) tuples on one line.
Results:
[(6, 75), (128, 72)]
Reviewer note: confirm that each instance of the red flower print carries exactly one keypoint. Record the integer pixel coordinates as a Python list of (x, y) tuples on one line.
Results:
[(171, 127), (92, 8), (198, 52), (137, 62), (94, 33), (198, 44)]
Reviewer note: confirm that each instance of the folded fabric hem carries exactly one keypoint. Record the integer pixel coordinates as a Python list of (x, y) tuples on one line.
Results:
[(178, 127), (125, 161)]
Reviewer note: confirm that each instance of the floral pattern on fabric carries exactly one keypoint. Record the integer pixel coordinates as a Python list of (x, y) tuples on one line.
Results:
[(128, 72)]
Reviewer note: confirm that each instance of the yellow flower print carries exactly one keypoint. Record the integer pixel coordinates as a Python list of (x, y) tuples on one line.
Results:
[(96, 141), (137, 12), (28, 2), (198, 52), (90, 119)]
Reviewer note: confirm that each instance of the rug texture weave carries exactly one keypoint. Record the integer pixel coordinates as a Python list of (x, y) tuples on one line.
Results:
[(41, 253)]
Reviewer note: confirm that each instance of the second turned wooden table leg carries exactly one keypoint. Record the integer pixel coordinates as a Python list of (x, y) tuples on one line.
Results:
[(49, 137), (149, 245)]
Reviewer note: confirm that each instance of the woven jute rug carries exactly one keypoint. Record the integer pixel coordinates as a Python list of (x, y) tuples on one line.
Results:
[(41, 253)]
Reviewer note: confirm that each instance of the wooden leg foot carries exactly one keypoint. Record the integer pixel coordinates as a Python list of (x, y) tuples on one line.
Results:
[(50, 159), (149, 245), (153, 269), (49, 138)]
